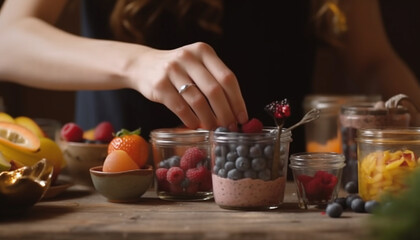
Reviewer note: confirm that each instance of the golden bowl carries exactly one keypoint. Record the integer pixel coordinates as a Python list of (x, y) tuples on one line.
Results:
[(22, 188)]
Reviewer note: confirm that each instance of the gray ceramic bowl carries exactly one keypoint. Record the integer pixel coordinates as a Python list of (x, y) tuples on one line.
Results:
[(127, 186)]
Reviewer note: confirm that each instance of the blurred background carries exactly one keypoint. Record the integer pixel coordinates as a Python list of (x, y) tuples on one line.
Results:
[(401, 18)]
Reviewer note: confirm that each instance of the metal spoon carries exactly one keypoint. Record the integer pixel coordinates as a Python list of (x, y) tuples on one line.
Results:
[(313, 114)]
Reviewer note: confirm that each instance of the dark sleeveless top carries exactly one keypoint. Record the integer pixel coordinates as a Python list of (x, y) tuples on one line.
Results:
[(266, 43)]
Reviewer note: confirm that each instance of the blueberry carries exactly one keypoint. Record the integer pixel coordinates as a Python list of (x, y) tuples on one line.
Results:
[(268, 151), (222, 173), (358, 205), (242, 163), (174, 161), (258, 164), (234, 174), (231, 156), (350, 198), (221, 129), (341, 201), (255, 151), (229, 166), (371, 206), (351, 187), (334, 210), (264, 174), (242, 150), (216, 169), (164, 164), (220, 162)]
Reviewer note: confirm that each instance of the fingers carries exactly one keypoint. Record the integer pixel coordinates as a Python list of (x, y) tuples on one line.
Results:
[(218, 84)]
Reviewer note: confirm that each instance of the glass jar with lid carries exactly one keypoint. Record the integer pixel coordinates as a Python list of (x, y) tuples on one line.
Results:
[(386, 157), (355, 116)]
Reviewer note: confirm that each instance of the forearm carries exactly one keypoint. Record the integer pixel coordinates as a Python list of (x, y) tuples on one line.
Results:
[(36, 54)]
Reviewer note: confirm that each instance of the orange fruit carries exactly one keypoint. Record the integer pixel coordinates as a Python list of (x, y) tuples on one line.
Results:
[(119, 161), (132, 143), (18, 137)]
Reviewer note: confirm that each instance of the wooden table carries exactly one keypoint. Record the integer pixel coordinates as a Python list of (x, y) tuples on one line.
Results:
[(80, 213)]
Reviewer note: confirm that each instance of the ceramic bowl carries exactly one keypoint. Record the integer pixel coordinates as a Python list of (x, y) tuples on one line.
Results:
[(80, 157), (127, 186)]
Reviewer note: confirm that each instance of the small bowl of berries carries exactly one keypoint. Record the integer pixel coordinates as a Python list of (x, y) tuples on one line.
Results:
[(182, 164), (84, 149), (317, 176)]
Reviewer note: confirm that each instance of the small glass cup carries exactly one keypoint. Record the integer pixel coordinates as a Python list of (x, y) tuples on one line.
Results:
[(317, 177), (247, 174), (180, 177)]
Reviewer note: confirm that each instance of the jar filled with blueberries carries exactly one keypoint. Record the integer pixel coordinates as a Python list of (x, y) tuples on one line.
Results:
[(182, 164), (247, 171)]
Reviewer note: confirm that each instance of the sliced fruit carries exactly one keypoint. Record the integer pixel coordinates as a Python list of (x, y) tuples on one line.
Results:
[(119, 161), (89, 134), (31, 125), (18, 137), (4, 117), (131, 142), (48, 149), (4, 164)]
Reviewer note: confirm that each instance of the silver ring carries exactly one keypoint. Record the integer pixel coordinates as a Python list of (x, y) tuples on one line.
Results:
[(184, 87)]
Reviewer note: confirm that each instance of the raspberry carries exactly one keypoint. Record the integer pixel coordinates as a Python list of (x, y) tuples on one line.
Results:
[(196, 175), (191, 157), (252, 126), (161, 174), (175, 175), (71, 132), (104, 132)]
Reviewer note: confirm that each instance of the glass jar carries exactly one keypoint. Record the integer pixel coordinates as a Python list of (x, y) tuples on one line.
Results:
[(182, 164), (386, 157), (247, 171), (323, 134), (365, 115), (317, 177)]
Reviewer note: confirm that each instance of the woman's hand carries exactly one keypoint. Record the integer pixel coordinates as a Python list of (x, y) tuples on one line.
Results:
[(213, 100)]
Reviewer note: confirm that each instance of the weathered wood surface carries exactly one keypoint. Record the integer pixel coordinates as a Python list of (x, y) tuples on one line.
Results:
[(80, 213)]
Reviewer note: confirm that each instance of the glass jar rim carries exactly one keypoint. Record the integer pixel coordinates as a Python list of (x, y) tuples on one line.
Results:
[(268, 133), (389, 135), (368, 108), (324, 160), (179, 135)]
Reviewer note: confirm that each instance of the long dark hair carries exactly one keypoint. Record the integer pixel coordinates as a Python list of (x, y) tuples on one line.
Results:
[(136, 20)]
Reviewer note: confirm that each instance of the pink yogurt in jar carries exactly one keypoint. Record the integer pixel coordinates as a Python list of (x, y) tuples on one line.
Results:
[(246, 173)]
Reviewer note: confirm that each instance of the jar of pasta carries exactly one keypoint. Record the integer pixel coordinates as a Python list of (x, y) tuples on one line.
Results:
[(386, 157)]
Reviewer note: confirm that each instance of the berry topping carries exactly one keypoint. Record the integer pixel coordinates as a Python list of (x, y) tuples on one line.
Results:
[(104, 132), (71, 132), (191, 157), (252, 126), (197, 175), (279, 109), (175, 175)]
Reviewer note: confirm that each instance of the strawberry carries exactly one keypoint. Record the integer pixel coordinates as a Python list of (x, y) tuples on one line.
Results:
[(252, 126), (104, 132), (131, 142), (191, 157), (71, 132)]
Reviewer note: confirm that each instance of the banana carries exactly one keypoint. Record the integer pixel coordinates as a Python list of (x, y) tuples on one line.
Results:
[(48, 149)]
